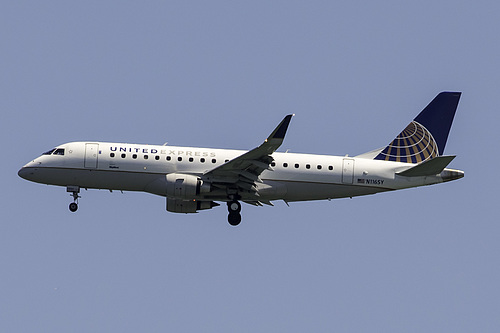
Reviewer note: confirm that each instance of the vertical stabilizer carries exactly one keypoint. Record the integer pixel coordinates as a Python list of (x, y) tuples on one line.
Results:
[(425, 137)]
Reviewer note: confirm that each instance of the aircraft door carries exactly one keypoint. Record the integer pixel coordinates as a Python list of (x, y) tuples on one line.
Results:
[(91, 151), (348, 171)]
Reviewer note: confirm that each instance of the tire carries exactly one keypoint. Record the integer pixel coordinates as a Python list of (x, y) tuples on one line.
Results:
[(234, 219), (73, 207), (234, 206)]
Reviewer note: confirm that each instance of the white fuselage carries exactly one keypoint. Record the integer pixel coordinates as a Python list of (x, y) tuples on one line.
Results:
[(295, 177)]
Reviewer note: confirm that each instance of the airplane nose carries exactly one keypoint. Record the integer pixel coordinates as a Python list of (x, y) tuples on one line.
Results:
[(22, 173), (25, 173)]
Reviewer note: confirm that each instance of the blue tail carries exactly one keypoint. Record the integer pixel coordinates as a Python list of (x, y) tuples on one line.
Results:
[(425, 137)]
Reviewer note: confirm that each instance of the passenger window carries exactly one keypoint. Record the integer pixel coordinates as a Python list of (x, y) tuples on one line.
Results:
[(214, 160), (202, 160), (146, 157), (179, 159), (112, 154), (134, 156), (226, 161), (330, 168), (124, 155), (169, 158), (308, 166), (319, 167), (296, 165), (191, 159), (157, 157), (273, 164), (285, 165)]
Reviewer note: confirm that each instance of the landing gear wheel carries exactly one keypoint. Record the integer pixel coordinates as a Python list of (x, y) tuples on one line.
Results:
[(234, 209), (74, 193), (234, 219), (73, 207), (234, 206)]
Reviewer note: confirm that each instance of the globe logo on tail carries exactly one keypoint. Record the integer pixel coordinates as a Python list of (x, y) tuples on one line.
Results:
[(414, 144)]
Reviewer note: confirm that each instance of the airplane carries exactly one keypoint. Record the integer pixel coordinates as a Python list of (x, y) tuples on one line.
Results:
[(194, 179)]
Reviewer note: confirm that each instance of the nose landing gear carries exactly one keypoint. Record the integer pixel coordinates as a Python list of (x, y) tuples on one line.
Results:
[(74, 193), (234, 209), (73, 206)]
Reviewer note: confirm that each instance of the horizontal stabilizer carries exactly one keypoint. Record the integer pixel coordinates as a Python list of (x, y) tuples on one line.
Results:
[(428, 168)]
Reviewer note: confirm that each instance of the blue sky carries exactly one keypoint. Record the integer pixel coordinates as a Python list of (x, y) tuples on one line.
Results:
[(223, 74)]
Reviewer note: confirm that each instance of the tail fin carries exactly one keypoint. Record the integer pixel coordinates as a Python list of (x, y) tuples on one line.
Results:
[(425, 137)]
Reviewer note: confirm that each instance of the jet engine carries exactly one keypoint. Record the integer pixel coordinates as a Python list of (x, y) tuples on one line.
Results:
[(186, 187), (182, 191), (188, 206)]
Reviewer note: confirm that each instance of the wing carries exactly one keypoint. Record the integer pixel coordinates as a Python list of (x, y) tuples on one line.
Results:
[(241, 175)]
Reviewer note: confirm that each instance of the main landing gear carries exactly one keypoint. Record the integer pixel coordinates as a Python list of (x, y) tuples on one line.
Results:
[(234, 209), (74, 193)]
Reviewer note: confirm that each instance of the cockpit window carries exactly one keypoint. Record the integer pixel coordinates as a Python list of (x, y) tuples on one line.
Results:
[(55, 151)]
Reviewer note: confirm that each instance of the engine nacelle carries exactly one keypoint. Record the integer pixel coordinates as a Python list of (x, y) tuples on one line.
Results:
[(188, 206), (181, 186)]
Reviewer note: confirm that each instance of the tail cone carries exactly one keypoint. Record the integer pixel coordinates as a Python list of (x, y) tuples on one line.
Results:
[(451, 174)]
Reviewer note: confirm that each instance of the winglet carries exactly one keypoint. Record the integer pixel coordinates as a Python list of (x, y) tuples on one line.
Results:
[(280, 130)]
